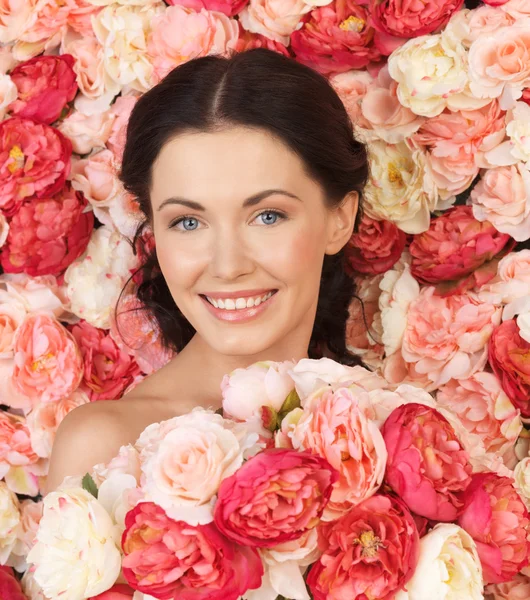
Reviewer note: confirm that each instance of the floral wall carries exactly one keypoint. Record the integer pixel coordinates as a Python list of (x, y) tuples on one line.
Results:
[(439, 91)]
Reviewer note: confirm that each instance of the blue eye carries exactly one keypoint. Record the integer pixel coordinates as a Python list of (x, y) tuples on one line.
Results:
[(270, 217), (189, 223)]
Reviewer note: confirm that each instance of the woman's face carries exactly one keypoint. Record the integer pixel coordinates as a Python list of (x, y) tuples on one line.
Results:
[(241, 232)]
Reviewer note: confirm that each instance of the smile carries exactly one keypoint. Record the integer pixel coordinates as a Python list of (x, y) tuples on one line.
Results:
[(238, 309)]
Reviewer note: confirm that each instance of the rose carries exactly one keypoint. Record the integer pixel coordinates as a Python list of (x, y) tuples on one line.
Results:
[(75, 524), (108, 370), (8, 93), (483, 409), (87, 132), (228, 7), (185, 459), (454, 246), (14, 16), (371, 552), (512, 283), (12, 314), (375, 247), (334, 427), (335, 38), (31, 588), (516, 147), (496, 518), (499, 64), (516, 9), (47, 359), (10, 588), (247, 41), (126, 462), (502, 197), (399, 188), (30, 516), (521, 476), (427, 466), (274, 19), (516, 589), (121, 109), (246, 390), (80, 14), (396, 20), (352, 86), (34, 161), (94, 281), (119, 591), (45, 86), (46, 235), (468, 25), (248, 504), (172, 559), (448, 567), (9, 521), (508, 357)]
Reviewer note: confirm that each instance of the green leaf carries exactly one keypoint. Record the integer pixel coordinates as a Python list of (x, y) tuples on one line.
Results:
[(291, 402), (90, 485)]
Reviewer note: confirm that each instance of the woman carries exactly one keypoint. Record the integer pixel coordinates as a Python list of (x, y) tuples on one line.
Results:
[(249, 176)]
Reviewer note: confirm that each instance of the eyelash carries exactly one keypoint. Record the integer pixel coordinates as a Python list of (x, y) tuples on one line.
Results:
[(282, 216)]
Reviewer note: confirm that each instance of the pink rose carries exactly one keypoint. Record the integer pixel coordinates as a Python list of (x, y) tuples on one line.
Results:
[(471, 24), (334, 427), (508, 357), (171, 559), (30, 516), (336, 38), (87, 132), (133, 330), (97, 178), (427, 466), (248, 40), (228, 7), (121, 109), (48, 362), (502, 197), (275, 497), (451, 174), (46, 235), (517, 9), (108, 370), (80, 15), (352, 86), (394, 19), (375, 247), (369, 553), (119, 591), (14, 18), (454, 246), (45, 86), (34, 160), (10, 588), (516, 589), (496, 518), (447, 338)]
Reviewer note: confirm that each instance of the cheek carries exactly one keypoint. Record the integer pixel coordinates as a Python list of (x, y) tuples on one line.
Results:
[(179, 266)]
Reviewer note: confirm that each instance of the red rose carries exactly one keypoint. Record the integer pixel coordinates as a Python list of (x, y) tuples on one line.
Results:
[(495, 516), (47, 235), (276, 496), (427, 466), (508, 356), (397, 19), (10, 588), (118, 591), (107, 369), (34, 161), (335, 38), (375, 248), (45, 86), (170, 559), (455, 246), (371, 552)]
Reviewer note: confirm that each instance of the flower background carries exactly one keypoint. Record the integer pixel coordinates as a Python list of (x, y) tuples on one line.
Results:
[(439, 90)]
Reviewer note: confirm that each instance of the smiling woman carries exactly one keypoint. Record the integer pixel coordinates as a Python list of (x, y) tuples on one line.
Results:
[(249, 178)]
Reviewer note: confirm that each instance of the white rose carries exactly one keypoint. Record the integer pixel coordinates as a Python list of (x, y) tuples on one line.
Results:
[(77, 552), (399, 189), (9, 522), (95, 280), (448, 567), (31, 588), (522, 479), (517, 148), (8, 93), (275, 19)]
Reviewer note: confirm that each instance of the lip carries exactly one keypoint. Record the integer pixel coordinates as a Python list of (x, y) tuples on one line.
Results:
[(241, 294), (238, 316)]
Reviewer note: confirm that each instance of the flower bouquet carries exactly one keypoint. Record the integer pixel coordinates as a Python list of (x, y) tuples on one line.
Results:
[(316, 481)]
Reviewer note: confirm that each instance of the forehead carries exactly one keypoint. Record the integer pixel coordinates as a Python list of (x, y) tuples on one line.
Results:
[(235, 163)]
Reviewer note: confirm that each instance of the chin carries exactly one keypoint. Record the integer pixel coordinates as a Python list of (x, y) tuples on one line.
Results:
[(241, 345)]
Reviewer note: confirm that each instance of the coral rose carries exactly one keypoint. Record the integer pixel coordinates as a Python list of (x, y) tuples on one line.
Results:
[(427, 466), (275, 497), (516, 589), (394, 19), (495, 516), (108, 370), (369, 553), (336, 38), (508, 356), (46, 235), (247, 41), (45, 86), (34, 161), (228, 7), (375, 247), (454, 246), (334, 426), (447, 338), (48, 363), (171, 559), (274, 19)]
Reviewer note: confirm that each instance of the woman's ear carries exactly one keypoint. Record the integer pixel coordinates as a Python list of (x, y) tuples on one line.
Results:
[(342, 222)]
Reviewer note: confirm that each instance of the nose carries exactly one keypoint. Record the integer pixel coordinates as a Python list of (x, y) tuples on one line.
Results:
[(230, 257)]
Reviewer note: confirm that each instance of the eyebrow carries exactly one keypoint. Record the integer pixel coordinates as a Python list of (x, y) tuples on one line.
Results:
[(251, 201)]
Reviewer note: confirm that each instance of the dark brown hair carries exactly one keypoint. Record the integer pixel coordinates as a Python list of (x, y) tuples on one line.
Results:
[(264, 90)]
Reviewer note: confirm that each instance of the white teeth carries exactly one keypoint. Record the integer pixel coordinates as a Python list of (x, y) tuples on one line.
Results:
[(238, 303)]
